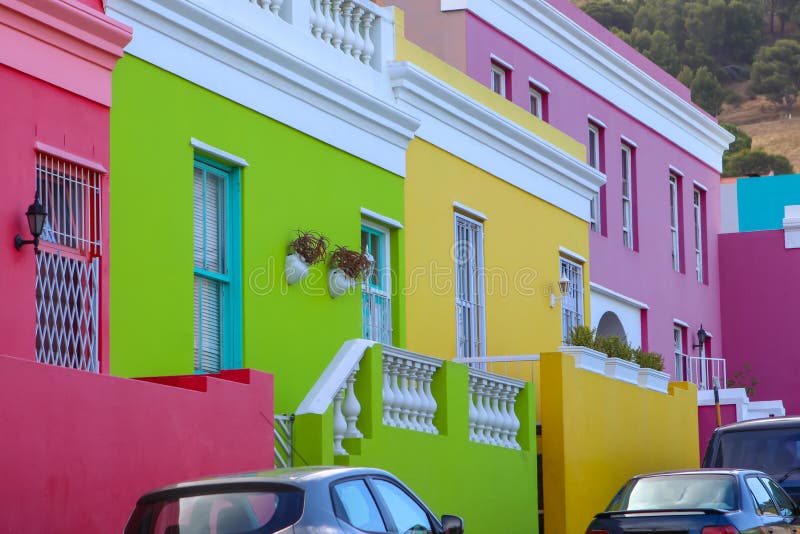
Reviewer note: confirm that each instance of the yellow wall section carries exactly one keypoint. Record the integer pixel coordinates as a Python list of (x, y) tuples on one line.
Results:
[(405, 50), (522, 238), (598, 432)]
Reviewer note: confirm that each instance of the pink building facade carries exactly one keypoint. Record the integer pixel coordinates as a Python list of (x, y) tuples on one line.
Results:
[(653, 226)]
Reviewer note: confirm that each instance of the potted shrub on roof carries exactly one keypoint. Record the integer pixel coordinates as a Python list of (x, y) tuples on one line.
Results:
[(580, 344), (348, 266), (307, 249)]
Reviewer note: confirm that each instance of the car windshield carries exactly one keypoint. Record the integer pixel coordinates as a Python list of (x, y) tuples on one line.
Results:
[(262, 512), (774, 451), (670, 492)]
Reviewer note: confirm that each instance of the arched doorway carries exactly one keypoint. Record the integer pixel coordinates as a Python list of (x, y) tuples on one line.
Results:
[(610, 325)]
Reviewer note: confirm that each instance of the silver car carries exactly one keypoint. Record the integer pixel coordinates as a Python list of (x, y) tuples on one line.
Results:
[(319, 500)]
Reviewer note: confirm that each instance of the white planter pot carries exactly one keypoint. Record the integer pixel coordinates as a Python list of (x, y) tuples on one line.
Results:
[(652, 379), (622, 370), (339, 283), (295, 268), (586, 358)]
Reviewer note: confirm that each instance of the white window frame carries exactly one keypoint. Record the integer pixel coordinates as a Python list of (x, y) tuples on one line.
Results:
[(499, 74), (572, 302), (593, 159), (681, 363), (627, 196), (675, 222), (469, 284), (536, 102), (373, 298), (698, 233)]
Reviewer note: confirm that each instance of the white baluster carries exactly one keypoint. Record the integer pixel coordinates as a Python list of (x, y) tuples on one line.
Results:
[(405, 396), (351, 408), (339, 424), (369, 44), (317, 19), (515, 423), (275, 6), (337, 32), (397, 404), (358, 40), (347, 15), (415, 406), (388, 396), (497, 417), (473, 409), (327, 23), (505, 416), (482, 416), (430, 412)]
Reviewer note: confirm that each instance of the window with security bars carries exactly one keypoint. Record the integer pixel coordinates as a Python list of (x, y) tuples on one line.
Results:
[(627, 196), (698, 233), (470, 311), (68, 264), (376, 293), (678, 333), (217, 301), (572, 301), (674, 224)]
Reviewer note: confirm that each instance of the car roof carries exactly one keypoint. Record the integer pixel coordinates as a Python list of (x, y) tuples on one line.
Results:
[(761, 424), (294, 476), (703, 471)]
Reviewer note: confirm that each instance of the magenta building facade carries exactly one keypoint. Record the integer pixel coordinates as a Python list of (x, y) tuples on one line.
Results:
[(659, 210)]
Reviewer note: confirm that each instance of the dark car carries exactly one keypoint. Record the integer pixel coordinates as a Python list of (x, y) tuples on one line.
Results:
[(770, 445), (700, 501), (318, 500)]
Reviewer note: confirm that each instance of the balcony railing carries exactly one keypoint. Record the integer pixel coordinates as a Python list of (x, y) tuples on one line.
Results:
[(702, 371), (408, 401)]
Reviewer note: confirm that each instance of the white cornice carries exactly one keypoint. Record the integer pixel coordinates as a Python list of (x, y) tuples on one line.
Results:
[(602, 290), (583, 57), (276, 69), (473, 132)]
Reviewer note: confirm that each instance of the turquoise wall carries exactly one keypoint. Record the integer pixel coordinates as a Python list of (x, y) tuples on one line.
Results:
[(492, 488), (292, 182), (761, 200)]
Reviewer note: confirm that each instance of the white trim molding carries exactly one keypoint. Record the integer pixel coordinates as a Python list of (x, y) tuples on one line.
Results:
[(700, 186), (597, 122), (628, 141), (478, 135), (377, 217), (218, 153), (500, 62), (564, 251), (275, 68), (680, 323), (676, 171), (593, 63), (69, 156), (538, 85), (791, 227), (617, 296), (466, 210)]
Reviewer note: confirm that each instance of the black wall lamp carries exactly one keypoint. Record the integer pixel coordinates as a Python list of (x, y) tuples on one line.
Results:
[(702, 335), (37, 215)]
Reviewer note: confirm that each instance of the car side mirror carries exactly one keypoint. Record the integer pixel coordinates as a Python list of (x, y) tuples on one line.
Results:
[(452, 524)]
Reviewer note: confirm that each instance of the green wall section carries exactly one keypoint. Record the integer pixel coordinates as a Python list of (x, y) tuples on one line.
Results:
[(292, 182), (492, 488)]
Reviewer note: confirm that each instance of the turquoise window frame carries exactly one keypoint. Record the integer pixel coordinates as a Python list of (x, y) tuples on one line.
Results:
[(380, 256), (231, 316)]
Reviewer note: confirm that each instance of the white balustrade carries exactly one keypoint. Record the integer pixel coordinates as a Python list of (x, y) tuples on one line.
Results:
[(351, 26), (407, 399), (346, 410), (492, 418)]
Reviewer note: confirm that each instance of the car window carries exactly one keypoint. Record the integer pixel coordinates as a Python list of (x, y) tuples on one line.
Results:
[(408, 516), (356, 506), (677, 491), (764, 503), (774, 451), (785, 503)]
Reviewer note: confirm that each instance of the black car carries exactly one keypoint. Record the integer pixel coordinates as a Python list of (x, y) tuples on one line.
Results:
[(770, 445), (699, 501), (298, 501)]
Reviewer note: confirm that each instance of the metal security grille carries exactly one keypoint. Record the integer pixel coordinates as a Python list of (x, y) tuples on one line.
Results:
[(284, 426), (67, 311), (377, 316), (376, 301), (71, 193), (572, 302), (470, 313)]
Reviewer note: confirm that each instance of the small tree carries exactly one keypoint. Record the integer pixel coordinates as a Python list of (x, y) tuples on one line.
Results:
[(755, 162), (776, 73)]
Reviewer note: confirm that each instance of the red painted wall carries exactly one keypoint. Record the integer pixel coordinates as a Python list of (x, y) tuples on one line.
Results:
[(32, 110), (80, 447), (760, 296), (707, 422)]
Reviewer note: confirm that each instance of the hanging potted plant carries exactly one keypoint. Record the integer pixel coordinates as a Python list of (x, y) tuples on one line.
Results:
[(307, 249), (348, 267)]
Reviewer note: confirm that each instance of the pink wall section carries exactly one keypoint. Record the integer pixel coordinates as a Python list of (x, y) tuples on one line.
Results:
[(707, 422), (80, 448), (646, 275), (32, 111), (760, 289)]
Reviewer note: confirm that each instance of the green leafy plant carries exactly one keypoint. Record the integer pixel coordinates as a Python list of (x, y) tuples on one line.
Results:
[(743, 378), (311, 246), (581, 336), (614, 347), (650, 360)]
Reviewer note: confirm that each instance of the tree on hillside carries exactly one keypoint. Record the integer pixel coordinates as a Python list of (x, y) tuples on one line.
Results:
[(748, 162), (655, 46), (612, 14), (706, 89), (742, 142), (776, 73)]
